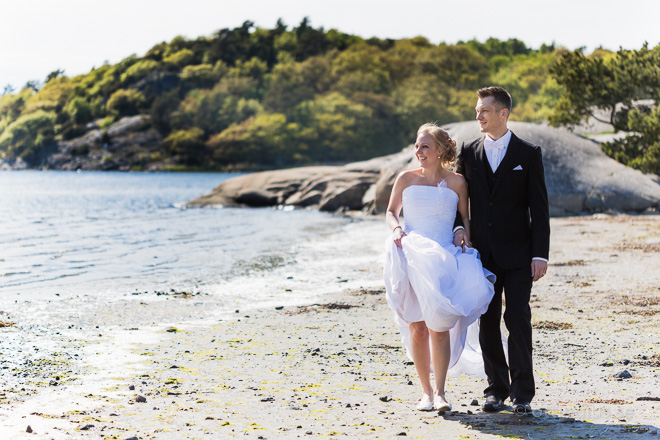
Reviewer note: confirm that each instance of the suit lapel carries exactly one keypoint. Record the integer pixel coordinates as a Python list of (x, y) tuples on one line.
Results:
[(481, 162), (508, 160)]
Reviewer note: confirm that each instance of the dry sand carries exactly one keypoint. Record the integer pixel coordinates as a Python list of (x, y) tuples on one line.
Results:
[(337, 368)]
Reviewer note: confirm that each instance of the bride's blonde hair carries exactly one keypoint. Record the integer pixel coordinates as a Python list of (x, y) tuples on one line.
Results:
[(443, 141)]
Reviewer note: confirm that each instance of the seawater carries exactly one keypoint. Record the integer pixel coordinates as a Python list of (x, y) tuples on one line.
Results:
[(106, 235)]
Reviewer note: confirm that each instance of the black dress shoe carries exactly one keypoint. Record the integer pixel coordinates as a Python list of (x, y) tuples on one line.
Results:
[(493, 404), (521, 407)]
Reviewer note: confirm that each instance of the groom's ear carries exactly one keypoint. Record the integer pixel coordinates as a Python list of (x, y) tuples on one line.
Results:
[(505, 112)]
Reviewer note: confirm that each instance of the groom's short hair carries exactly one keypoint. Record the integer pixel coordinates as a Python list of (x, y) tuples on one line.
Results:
[(499, 94)]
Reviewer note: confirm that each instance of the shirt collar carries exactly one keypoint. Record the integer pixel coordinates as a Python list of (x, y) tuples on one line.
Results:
[(501, 143)]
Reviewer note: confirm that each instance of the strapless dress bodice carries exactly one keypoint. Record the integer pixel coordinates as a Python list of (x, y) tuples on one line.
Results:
[(430, 211)]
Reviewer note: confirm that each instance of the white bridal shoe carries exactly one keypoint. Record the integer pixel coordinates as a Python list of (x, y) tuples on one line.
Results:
[(443, 406), (426, 404)]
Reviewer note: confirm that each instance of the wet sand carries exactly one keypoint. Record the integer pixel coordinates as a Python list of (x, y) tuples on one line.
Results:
[(337, 368)]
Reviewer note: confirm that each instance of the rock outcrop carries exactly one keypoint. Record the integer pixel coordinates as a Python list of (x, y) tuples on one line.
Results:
[(124, 145), (579, 176)]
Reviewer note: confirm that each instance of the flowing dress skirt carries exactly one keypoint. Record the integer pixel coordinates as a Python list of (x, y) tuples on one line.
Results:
[(444, 287)]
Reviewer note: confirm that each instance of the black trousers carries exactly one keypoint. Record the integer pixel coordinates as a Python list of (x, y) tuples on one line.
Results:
[(515, 380)]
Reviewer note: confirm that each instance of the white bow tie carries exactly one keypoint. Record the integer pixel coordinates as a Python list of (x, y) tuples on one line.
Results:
[(489, 143)]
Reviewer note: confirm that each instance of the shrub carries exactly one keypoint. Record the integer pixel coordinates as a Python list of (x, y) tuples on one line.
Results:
[(125, 102), (79, 110), (187, 145), (199, 76), (139, 70), (181, 58), (28, 135)]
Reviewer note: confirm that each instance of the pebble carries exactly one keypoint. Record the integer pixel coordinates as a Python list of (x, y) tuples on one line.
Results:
[(140, 399), (474, 402), (131, 387), (606, 364), (85, 427), (29, 429), (625, 374)]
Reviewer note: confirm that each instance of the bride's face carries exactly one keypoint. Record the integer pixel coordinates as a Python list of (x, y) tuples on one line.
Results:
[(426, 151)]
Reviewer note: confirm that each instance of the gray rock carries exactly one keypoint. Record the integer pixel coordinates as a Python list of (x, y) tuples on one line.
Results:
[(625, 374), (580, 179), (124, 140)]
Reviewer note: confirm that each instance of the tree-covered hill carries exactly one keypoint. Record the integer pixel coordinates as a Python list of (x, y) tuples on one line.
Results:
[(264, 98)]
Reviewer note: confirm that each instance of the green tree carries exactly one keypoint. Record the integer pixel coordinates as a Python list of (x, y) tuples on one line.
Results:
[(288, 86), (263, 139), (420, 99), (214, 110), (181, 58), (334, 128), (138, 71), (79, 110), (626, 87), (199, 76), (125, 102), (28, 136), (361, 68), (187, 146)]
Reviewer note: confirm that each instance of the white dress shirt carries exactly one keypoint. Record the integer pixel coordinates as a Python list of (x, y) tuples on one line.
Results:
[(496, 149)]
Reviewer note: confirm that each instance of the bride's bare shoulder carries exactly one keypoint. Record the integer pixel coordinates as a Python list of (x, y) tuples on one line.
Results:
[(408, 176), (455, 180)]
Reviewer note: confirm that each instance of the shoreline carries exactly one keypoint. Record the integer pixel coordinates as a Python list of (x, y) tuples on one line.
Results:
[(337, 367)]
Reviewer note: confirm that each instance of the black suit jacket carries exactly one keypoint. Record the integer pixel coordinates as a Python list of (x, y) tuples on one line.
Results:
[(509, 222)]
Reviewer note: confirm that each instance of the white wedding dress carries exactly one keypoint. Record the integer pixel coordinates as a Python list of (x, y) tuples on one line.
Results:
[(431, 280)]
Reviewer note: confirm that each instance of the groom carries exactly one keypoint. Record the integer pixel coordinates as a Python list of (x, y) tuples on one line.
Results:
[(510, 228)]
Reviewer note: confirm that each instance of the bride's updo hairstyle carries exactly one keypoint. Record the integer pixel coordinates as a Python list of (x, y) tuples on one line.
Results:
[(443, 141)]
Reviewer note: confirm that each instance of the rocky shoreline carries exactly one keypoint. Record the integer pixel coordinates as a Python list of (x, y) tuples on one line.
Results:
[(337, 368), (580, 179)]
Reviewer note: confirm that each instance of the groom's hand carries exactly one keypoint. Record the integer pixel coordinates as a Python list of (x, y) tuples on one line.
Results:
[(539, 267)]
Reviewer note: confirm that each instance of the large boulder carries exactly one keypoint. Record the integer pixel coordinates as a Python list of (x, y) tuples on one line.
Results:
[(579, 176)]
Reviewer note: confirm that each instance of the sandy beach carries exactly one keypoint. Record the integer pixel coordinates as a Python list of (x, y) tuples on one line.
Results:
[(336, 368)]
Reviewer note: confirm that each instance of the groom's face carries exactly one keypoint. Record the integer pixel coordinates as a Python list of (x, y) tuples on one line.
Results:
[(491, 116)]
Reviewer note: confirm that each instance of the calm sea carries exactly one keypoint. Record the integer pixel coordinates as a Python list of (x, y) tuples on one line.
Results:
[(109, 234)]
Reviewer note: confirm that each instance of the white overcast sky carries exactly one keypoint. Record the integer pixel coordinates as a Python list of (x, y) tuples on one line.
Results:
[(39, 36)]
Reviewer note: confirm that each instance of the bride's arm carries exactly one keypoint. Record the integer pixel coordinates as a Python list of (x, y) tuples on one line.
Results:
[(462, 191), (394, 208)]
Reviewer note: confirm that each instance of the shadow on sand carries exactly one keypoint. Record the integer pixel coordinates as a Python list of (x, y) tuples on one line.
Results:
[(539, 424)]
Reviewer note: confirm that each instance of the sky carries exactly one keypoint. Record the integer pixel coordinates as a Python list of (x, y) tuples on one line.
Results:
[(40, 36)]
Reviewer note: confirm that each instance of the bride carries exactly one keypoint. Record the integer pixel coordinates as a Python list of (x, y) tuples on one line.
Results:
[(436, 290)]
